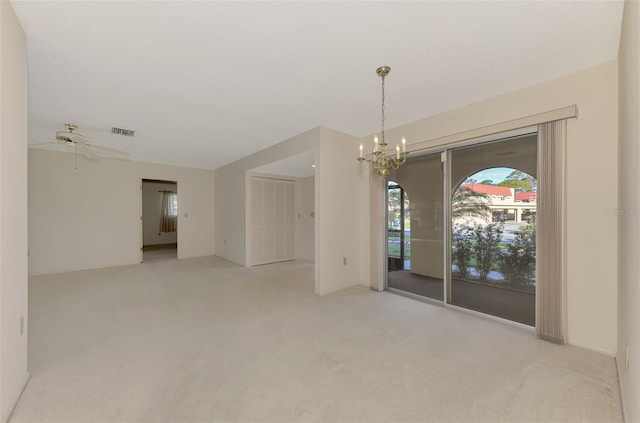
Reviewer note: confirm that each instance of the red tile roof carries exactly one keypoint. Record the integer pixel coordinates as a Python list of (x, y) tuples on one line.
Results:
[(526, 196), (488, 189)]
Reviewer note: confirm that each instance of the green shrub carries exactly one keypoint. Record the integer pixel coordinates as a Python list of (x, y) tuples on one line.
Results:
[(519, 261), (462, 248), (487, 249)]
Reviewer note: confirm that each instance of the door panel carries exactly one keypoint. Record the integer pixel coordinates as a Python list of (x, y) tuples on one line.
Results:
[(421, 269), (272, 220), (493, 191)]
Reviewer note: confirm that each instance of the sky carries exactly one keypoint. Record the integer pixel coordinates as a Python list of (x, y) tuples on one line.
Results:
[(496, 174)]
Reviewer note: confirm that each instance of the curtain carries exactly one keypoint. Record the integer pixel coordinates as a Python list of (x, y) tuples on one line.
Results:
[(551, 310), (169, 212), (378, 237)]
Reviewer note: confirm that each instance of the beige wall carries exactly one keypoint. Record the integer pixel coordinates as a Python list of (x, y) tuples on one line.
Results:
[(592, 153), (337, 197), (305, 220), (13, 210), (91, 218), (629, 206)]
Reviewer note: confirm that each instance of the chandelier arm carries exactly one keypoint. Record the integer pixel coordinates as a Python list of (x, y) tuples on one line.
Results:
[(401, 161)]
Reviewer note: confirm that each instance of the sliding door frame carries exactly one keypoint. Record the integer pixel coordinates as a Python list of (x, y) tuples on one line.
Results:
[(445, 152), (446, 242)]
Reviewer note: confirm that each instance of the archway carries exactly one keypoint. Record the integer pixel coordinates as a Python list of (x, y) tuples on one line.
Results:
[(493, 242), (510, 198)]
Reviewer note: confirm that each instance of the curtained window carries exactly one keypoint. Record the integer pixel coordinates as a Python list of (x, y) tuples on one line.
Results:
[(169, 213)]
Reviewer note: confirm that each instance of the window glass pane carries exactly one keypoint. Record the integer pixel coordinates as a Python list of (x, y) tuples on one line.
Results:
[(415, 227), (173, 204), (394, 217), (493, 227)]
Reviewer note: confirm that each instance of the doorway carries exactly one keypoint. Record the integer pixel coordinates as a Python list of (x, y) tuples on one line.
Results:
[(159, 219)]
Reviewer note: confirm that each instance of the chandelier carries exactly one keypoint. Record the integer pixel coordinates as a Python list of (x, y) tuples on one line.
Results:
[(380, 161)]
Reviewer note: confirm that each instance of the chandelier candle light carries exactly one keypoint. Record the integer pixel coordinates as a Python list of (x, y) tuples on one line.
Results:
[(381, 163)]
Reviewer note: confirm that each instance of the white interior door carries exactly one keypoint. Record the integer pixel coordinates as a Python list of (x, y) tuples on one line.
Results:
[(272, 220)]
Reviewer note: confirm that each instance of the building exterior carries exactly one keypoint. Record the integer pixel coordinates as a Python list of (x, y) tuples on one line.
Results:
[(504, 203)]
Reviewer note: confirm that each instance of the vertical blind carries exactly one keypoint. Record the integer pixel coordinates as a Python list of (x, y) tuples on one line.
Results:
[(551, 240), (377, 197)]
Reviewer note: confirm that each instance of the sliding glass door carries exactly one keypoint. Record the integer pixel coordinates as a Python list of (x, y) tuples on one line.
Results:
[(493, 228), (480, 249)]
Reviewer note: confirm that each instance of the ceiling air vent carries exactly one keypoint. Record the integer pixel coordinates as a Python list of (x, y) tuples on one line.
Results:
[(125, 132)]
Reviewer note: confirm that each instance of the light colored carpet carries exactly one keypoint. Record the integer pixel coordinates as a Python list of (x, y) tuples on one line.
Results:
[(205, 340), (159, 253)]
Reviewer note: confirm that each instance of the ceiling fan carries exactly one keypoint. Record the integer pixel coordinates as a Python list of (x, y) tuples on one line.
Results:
[(83, 146)]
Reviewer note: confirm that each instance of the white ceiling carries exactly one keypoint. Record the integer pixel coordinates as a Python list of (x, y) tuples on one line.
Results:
[(206, 83)]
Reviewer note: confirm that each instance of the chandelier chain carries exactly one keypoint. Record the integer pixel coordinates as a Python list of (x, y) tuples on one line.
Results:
[(382, 134)]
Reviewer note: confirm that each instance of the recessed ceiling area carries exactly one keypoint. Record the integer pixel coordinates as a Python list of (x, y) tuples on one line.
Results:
[(203, 84)]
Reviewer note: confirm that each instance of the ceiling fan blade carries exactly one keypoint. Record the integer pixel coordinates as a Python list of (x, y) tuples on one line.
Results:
[(109, 150), (50, 146), (39, 144), (41, 139), (87, 152)]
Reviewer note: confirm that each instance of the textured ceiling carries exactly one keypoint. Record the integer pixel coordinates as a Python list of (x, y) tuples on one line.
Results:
[(206, 83)]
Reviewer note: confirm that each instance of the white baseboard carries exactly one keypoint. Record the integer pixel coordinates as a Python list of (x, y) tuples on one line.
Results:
[(622, 403), (587, 347)]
